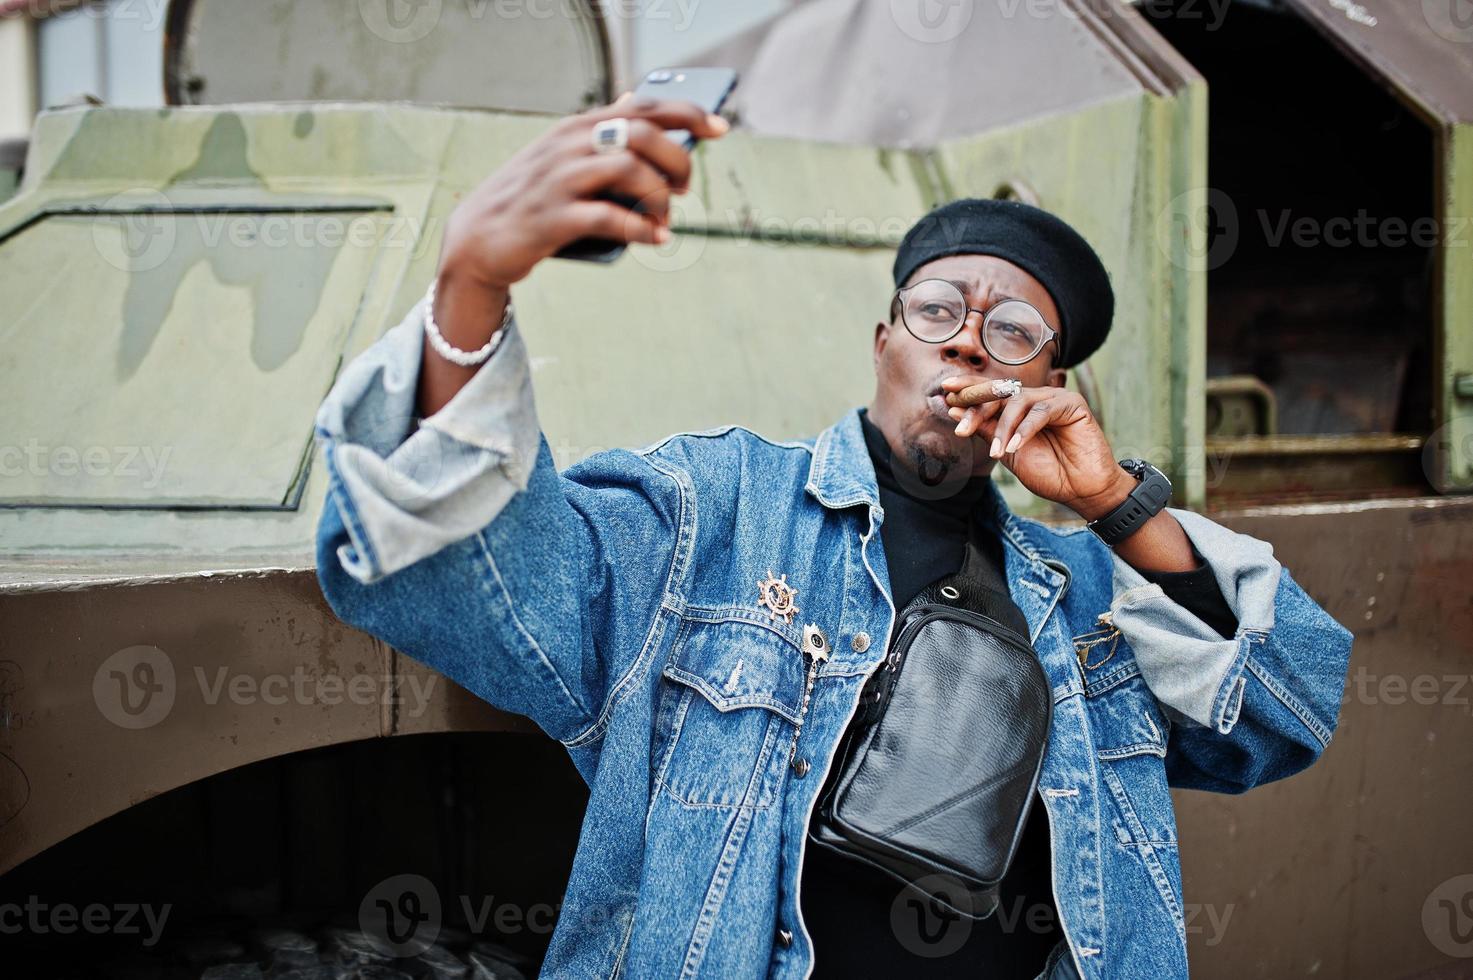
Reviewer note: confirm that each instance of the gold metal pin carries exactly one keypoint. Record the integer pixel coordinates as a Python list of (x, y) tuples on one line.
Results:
[(777, 595)]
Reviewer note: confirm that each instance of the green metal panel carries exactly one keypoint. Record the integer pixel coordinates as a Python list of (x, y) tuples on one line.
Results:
[(194, 336), (1450, 457), (773, 335), (1123, 173), (1185, 150), (761, 311), (727, 328)]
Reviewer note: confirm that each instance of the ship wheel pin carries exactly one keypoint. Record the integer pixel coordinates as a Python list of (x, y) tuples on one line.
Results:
[(777, 595)]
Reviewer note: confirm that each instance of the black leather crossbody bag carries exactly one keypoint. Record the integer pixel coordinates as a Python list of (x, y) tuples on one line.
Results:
[(934, 779)]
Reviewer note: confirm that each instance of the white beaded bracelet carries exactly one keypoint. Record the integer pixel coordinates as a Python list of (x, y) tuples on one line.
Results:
[(452, 353)]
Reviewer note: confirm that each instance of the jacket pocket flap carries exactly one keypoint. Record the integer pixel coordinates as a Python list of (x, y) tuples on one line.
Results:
[(739, 663), (1125, 717)]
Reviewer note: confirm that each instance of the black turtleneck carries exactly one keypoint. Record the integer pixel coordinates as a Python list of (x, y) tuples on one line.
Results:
[(848, 906)]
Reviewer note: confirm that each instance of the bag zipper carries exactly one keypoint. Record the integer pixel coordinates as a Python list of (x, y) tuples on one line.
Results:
[(919, 617)]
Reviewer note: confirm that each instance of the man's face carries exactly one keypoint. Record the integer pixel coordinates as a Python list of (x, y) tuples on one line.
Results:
[(909, 407)]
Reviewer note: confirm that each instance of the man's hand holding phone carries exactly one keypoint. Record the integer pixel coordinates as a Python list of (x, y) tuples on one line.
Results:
[(553, 192)]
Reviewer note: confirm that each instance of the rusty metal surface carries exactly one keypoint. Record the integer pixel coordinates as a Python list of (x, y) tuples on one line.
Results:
[(1340, 871), (113, 695), (1286, 468), (1240, 405), (1318, 869)]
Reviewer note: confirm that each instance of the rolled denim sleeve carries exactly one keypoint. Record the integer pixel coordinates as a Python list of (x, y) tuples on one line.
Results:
[(455, 539), (1249, 709), (408, 488)]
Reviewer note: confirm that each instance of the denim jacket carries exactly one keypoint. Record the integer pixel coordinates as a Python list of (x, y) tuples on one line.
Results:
[(615, 603)]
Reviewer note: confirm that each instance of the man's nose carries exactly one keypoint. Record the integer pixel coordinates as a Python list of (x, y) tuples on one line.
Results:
[(966, 347)]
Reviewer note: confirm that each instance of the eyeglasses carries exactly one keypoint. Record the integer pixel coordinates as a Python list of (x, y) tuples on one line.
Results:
[(934, 310)]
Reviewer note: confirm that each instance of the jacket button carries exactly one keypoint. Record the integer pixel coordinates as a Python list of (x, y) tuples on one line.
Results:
[(860, 642), (784, 938), (801, 767)]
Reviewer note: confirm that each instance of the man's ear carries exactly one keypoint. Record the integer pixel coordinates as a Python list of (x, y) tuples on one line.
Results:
[(882, 337), (1057, 377)]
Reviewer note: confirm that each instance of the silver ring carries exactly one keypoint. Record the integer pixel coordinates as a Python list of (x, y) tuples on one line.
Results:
[(610, 135)]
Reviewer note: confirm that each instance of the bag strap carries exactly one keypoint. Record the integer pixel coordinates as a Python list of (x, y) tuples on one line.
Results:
[(974, 561), (976, 589)]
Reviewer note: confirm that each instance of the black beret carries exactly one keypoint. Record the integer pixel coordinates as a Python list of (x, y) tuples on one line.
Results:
[(1031, 238)]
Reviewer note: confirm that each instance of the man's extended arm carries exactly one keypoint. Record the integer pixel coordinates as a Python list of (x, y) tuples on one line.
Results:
[(462, 546), (1246, 709), (448, 531)]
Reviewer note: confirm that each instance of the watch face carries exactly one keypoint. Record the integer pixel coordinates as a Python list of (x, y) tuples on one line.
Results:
[(1135, 467)]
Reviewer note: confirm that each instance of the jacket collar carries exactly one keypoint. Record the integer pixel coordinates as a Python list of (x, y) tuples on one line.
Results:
[(842, 475)]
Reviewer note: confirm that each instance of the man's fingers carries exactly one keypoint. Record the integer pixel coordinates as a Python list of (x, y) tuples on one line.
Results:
[(666, 113), (624, 173), (647, 135), (650, 141), (1036, 410), (1033, 423), (968, 423), (605, 219), (974, 417)]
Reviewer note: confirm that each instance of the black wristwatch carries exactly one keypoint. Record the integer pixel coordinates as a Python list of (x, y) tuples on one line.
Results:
[(1147, 500)]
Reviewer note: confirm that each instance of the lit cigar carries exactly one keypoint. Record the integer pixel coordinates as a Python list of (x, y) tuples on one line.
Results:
[(987, 391)]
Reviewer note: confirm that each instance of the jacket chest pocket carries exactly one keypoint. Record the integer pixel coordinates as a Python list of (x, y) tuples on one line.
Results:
[(731, 698), (1130, 733)]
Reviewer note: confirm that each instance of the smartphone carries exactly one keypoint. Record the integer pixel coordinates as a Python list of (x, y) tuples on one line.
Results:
[(707, 88)]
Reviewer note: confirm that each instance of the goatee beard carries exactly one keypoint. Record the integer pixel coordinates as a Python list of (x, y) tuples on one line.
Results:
[(935, 469)]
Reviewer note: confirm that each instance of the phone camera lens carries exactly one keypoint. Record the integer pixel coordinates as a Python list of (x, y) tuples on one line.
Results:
[(659, 76)]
